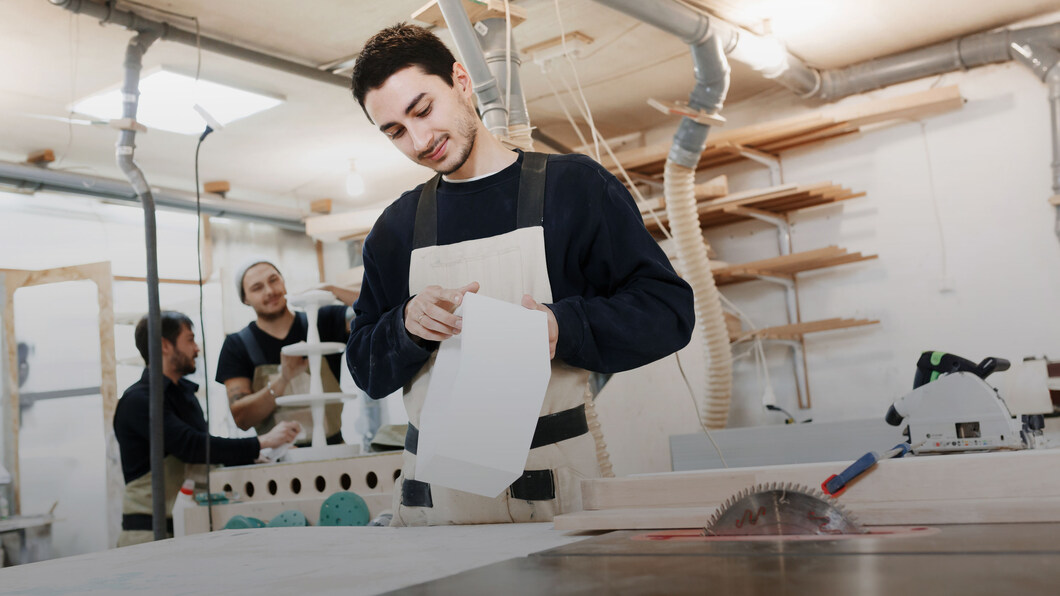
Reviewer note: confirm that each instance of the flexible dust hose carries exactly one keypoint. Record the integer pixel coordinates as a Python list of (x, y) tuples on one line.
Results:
[(603, 458), (679, 187)]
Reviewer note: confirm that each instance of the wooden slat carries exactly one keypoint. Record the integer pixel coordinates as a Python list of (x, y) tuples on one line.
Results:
[(161, 280), (777, 200), (788, 133), (476, 11), (788, 265), (904, 513), (958, 488), (796, 330)]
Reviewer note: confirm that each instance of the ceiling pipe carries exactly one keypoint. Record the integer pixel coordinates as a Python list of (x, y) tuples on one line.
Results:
[(490, 101), (126, 149), (107, 13), (709, 45), (30, 178), (495, 44), (1044, 61), (956, 54), (769, 58)]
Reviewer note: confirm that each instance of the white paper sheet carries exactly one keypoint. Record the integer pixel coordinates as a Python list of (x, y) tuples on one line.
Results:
[(484, 398)]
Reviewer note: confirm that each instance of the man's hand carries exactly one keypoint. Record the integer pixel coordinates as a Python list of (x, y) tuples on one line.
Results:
[(553, 326), (429, 315), (281, 434), (291, 366)]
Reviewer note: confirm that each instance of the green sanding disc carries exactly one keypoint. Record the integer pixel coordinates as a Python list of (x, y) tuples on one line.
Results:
[(344, 509), (242, 522), (292, 518)]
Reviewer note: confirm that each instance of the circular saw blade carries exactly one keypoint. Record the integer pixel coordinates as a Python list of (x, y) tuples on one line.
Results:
[(781, 509)]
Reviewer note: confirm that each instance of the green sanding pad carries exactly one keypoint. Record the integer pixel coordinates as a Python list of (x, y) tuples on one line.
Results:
[(344, 509), (292, 518), (242, 522)]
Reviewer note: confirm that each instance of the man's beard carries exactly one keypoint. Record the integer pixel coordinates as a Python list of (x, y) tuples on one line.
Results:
[(185, 366), (470, 131), (272, 316)]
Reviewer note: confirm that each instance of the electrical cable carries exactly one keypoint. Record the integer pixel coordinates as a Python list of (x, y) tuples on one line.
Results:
[(935, 205), (563, 106), (563, 43), (75, 50), (641, 201), (695, 403), (202, 324)]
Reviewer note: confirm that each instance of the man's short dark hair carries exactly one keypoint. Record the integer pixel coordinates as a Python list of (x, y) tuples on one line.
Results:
[(173, 323), (397, 48)]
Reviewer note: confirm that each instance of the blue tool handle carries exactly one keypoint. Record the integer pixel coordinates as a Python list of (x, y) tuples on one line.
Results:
[(836, 483)]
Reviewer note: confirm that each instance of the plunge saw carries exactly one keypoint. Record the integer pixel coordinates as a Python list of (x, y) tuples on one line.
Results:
[(951, 409)]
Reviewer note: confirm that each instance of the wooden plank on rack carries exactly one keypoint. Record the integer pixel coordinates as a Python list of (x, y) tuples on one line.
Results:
[(713, 188), (795, 330), (431, 14), (798, 131)]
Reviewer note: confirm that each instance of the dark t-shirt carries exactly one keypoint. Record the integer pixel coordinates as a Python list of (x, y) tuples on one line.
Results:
[(235, 362), (184, 430)]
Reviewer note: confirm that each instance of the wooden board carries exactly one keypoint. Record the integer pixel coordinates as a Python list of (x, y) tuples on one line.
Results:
[(776, 200), (962, 488), (343, 226), (788, 133), (929, 512), (477, 10), (787, 265), (100, 274), (797, 330)]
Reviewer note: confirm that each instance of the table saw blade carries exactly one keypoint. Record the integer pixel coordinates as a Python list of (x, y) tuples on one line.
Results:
[(781, 509)]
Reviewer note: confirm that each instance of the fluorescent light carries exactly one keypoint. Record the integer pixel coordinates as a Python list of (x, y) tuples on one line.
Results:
[(354, 181), (764, 54), (167, 99)]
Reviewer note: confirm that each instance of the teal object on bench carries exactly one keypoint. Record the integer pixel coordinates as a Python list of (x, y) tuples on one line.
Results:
[(242, 522), (292, 518), (344, 508)]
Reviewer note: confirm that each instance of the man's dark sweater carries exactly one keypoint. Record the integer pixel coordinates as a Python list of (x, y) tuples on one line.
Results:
[(617, 300), (184, 430)]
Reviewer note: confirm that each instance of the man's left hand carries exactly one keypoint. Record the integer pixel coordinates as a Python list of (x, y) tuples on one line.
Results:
[(553, 326)]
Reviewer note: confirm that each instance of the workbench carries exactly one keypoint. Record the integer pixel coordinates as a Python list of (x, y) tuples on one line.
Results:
[(518, 559)]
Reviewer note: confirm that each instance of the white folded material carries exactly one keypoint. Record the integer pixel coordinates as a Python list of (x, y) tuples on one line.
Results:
[(484, 398)]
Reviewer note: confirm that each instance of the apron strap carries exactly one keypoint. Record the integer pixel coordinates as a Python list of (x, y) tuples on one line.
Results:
[(141, 522), (257, 355), (530, 209), (426, 231), (551, 428), (532, 190)]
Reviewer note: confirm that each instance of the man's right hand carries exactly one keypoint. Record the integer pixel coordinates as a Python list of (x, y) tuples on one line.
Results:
[(281, 434), (291, 366), (429, 315)]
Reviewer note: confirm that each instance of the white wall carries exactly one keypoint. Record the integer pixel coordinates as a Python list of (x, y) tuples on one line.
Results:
[(982, 279)]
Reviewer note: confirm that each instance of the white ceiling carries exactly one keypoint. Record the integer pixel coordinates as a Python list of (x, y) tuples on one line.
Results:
[(300, 151)]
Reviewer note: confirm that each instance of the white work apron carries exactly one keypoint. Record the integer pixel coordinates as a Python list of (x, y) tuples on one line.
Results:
[(506, 267), (136, 499)]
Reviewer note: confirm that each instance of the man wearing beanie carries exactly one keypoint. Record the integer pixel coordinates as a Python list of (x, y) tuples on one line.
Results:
[(254, 371)]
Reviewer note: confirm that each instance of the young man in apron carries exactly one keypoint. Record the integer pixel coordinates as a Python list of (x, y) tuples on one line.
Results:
[(184, 433), (555, 233), (253, 370)]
